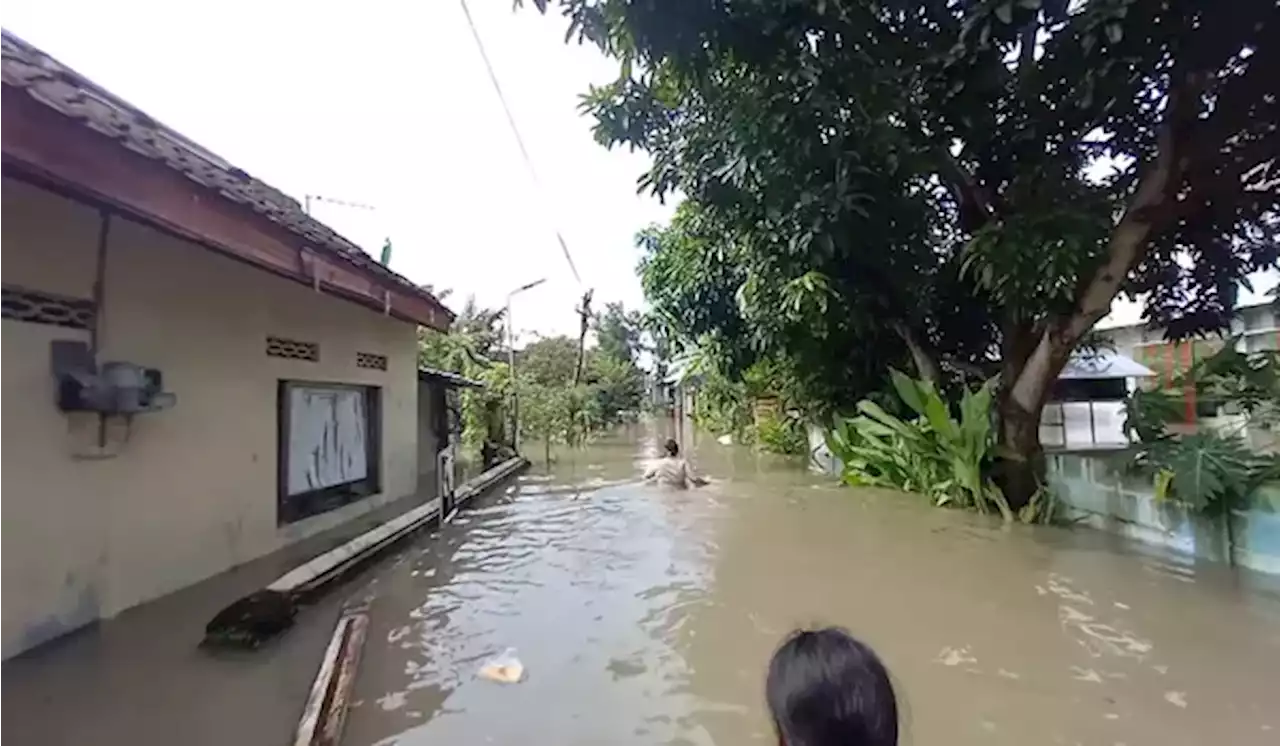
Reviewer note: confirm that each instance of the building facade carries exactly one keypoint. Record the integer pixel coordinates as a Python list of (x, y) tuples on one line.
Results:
[(291, 355), (1256, 328)]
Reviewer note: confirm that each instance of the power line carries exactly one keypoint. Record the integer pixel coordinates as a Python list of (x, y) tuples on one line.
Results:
[(511, 120)]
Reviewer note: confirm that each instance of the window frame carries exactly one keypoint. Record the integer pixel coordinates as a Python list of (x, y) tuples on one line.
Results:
[(300, 506)]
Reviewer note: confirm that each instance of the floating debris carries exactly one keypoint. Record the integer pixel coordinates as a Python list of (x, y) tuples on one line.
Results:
[(1176, 698), (392, 701), (251, 621), (954, 656), (1085, 674), (504, 669)]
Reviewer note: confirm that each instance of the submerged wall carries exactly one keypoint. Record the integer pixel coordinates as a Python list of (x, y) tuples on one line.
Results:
[(1096, 490), (99, 519)]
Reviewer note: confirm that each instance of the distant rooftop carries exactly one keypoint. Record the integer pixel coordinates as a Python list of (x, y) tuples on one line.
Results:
[(1103, 364)]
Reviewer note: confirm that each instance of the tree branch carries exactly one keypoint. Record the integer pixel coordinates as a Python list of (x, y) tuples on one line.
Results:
[(926, 361), (1129, 241)]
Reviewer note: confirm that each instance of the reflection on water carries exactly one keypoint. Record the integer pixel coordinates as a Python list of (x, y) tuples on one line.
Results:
[(647, 616)]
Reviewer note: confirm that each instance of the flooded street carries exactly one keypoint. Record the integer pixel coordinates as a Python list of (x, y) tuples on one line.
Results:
[(648, 616)]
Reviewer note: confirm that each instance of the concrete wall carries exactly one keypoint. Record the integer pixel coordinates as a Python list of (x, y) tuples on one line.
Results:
[(185, 493), (1096, 490)]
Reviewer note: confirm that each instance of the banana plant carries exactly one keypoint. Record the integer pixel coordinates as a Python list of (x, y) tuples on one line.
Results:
[(934, 453)]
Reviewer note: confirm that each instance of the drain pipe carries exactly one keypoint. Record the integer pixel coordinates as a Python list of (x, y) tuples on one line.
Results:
[(99, 302), (100, 284)]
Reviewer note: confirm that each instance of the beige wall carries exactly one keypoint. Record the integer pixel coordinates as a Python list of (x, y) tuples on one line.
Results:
[(184, 493)]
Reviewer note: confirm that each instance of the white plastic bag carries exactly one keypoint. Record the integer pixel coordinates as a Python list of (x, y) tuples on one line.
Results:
[(504, 669)]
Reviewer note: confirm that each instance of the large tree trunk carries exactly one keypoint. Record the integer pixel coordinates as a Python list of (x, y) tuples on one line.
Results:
[(1022, 468), (1021, 471), (1028, 379)]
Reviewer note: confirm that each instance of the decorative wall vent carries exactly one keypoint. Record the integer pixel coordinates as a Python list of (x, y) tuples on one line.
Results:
[(35, 307), (292, 349), (371, 361)]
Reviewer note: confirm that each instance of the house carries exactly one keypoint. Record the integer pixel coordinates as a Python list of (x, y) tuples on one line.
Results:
[(439, 432), (196, 373), (1255, 328), (1086, 406)]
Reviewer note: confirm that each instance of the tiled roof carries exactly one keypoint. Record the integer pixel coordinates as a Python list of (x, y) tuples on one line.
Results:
[(62, 89)]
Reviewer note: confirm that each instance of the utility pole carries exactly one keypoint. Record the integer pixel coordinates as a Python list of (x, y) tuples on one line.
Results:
[(511, 364), (584, 314)]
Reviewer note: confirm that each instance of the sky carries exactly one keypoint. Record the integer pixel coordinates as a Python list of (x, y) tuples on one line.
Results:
[(388, 104)]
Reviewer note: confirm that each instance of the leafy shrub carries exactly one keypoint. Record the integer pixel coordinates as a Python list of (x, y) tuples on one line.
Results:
[(782, 434), (1208, 471), (934, 454)]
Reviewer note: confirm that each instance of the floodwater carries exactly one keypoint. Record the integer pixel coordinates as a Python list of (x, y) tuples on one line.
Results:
[(648, 616)]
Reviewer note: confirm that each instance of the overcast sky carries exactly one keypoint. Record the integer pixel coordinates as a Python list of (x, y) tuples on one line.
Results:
[(388, 104)]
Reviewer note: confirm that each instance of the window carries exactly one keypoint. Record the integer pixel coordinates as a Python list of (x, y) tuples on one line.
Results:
[(330, 446), (1089, 389)]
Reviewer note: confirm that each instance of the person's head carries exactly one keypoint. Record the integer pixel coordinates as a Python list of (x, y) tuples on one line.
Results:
[(826, 688), (671, 447)]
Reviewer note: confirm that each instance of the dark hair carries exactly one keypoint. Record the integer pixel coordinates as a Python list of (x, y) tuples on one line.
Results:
[(672, 447), (826, 688)]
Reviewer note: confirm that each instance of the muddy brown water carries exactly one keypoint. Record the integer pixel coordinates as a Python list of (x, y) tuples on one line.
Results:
[(648, 616)]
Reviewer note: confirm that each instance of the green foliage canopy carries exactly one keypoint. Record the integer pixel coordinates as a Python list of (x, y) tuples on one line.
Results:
[(980, 178)]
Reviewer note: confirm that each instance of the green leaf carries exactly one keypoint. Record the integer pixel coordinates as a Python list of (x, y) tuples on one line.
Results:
[(876, 413), (1206, 469), (940, 420), (907, 390)]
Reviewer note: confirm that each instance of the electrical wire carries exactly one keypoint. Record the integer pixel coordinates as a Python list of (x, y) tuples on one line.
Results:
[(515, 130)]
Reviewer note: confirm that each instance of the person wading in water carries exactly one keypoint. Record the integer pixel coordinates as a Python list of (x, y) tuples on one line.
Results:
[(673, 471)]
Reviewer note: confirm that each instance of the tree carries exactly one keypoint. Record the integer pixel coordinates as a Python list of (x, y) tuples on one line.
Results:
[(742, 301), (616, 385), (546, 413), (618, 333), (468, 349), (608, 386), (550, 361), (471, 341), (1023, 161)]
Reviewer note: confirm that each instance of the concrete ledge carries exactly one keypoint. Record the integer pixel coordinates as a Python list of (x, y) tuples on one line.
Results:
[(243, 619), (332, 563)]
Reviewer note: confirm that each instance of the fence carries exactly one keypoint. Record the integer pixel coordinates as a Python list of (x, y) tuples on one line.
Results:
[(1096, 489)]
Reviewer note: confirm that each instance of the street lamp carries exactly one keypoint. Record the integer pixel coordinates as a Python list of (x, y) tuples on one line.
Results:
[(511, 364)]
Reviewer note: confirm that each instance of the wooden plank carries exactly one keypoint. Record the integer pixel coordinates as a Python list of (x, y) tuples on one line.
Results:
[(329, 699), (310, 723)]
